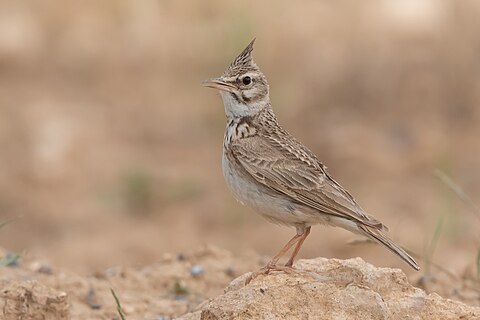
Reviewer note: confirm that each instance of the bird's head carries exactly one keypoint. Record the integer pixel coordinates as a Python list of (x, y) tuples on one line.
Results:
[(243, 86)]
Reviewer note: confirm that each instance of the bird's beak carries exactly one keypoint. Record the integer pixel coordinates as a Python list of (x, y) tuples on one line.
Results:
[(218, 83)]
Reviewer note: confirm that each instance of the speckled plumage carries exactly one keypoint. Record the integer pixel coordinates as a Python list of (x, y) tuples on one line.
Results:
[(269, 170)]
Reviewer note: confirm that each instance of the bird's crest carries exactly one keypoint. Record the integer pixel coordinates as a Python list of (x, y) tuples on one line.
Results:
[(243, 62)]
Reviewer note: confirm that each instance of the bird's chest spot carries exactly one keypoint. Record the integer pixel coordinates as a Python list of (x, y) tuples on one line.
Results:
[(239, 129)]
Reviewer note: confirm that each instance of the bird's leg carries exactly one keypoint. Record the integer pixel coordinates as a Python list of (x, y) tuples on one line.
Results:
[(282, 252), (272, 264), (298, 246)]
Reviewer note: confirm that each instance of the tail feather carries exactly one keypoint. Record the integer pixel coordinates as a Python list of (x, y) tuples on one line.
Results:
[(380, 237)]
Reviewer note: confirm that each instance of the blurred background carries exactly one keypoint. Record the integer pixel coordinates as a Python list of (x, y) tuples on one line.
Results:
[(111, 149)]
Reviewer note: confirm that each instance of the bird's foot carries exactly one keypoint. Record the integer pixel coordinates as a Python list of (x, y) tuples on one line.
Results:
[(289, 264), (267, 269)]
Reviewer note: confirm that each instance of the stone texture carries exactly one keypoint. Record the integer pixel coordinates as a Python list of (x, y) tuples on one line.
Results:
[(331, 289), (31, 300)]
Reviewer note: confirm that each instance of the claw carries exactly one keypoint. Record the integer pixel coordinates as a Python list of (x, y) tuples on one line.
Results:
[(267, 269)]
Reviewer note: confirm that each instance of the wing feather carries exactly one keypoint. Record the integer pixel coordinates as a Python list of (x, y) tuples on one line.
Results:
[(295, 172)]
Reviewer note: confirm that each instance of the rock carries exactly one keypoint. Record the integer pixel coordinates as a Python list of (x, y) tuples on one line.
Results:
[(31, 300), (331, 289), (197, 271)]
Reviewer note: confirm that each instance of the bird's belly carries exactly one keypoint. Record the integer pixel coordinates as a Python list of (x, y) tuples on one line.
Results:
[(268, 203)]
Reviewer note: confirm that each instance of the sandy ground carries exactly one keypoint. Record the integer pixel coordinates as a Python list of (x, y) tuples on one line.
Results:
[(173, 286)]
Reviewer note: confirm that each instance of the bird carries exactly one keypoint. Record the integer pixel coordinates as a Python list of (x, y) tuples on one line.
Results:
[(270, 171)]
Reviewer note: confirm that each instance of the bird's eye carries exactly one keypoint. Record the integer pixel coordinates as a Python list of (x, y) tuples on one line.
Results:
[(247, 80)]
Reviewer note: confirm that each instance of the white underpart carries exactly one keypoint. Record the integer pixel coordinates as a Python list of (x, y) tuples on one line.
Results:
[(235, 109)]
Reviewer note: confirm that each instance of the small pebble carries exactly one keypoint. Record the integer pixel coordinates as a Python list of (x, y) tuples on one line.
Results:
[(197, 270), (180, 298), (45, 269), (230, 271), (91, 299)]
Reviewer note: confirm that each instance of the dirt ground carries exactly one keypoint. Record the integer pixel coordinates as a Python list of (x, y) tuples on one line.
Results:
[(110, 147), (174, 285)]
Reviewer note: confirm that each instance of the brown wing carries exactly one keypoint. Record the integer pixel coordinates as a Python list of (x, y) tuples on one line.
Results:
[(284, 165)]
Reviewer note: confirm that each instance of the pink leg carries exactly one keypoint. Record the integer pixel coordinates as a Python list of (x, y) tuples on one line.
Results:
[(298, 246), (271, 265)]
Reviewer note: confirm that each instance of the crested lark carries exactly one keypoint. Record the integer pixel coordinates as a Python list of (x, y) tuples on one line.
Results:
[(270, 171)]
